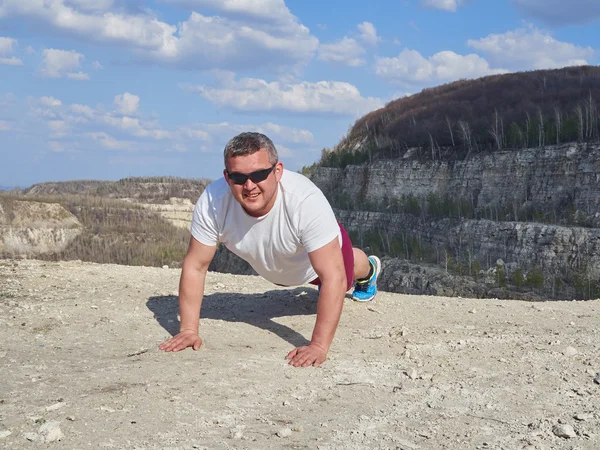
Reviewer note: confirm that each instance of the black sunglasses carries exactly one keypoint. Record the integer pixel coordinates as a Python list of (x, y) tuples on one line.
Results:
[(256, 177)]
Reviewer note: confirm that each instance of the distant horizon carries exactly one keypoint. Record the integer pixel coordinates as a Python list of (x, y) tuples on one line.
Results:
[(27, 186)]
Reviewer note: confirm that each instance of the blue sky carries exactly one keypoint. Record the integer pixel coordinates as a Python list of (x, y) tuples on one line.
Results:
[(104, 89)]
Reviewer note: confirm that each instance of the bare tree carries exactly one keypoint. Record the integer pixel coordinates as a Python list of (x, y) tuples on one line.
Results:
[(527, 123), (558, 121), (465, 134), (541, 131), (579, 114), (497, 131), (449, 123), (590, 125)]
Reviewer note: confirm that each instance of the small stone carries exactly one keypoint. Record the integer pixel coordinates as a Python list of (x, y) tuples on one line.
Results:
[(165, 266), (71, 418), (4, 434), (473, 311), (570, 352), (412, 374), (564, 431), (284, 432), (583, 416), (31, 436), (597, 379), (94, 307), (50, 431), (298, 428), (55, 406), (236, 433)]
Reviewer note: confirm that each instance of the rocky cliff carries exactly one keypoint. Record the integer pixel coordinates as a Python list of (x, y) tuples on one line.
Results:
[(526, 210), (30, 228)]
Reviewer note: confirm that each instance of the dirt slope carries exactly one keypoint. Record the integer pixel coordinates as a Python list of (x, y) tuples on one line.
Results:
[(30, 228), (79, 362)]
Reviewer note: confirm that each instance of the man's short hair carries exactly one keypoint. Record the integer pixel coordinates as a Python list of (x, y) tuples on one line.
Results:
[(248, 143)]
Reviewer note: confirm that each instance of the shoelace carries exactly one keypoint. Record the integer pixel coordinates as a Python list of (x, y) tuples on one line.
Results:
[(362, 287)]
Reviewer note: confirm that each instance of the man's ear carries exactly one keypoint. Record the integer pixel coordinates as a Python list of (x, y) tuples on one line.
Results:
[(279, 170)]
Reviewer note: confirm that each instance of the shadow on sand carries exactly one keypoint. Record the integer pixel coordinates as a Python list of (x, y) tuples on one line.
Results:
[(254, 309)]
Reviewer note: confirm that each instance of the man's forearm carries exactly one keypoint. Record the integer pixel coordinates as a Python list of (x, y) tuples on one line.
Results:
[(191, 292), (329, 311)]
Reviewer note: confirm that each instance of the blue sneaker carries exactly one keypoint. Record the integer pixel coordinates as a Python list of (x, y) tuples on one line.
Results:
[(366, 291)]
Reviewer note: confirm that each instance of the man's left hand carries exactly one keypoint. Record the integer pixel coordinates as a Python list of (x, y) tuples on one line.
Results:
[(308, 355)]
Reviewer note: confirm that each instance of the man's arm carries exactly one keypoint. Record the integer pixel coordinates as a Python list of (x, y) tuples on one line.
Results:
[(329, 265), (191, 292)]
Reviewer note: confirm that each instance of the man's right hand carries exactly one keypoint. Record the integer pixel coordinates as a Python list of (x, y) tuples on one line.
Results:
[(181, 341)]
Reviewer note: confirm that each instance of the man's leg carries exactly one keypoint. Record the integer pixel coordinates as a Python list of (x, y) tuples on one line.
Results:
[(362, 266)]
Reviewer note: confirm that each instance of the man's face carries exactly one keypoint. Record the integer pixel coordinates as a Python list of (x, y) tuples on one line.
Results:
[(257, 199)]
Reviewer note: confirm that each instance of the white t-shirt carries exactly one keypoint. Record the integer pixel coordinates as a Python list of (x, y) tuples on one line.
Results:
[(277, 244)]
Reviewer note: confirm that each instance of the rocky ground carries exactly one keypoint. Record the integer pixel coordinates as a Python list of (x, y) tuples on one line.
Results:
[(80, 367)]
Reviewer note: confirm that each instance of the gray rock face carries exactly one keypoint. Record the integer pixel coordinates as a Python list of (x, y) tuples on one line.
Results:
[(560, 181), (555, 178)]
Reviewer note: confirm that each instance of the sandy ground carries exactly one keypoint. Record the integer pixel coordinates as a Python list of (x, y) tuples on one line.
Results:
[(79, 362)]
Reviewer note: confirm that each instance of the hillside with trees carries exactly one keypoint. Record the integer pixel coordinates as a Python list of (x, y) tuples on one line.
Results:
[(459, 119), (141, 189)]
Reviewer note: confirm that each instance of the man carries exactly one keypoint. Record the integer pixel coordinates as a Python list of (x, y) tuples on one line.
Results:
[(282, 224)]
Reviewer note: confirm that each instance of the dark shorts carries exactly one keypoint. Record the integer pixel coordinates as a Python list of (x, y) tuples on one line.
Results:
[(348, 255)]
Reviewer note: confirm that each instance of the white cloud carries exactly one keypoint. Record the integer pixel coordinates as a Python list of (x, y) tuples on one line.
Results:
[(61, 63), (110, 142), (78, 76), (368, 33), (560, 12), (529, 48), (267, 10), (58, 128), (411, 67), (446, 5), (284, 151), (4, 125), (135, 127), (253, 94), (6, 47), (178, 148), (96, 65), (116, 132), (56, 147), (12, 61), (30, 50), (50, 101), (200, 42), (127, 103), (224, 131), (91, 5), (83, 110), (346, 51), (214, 42)]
